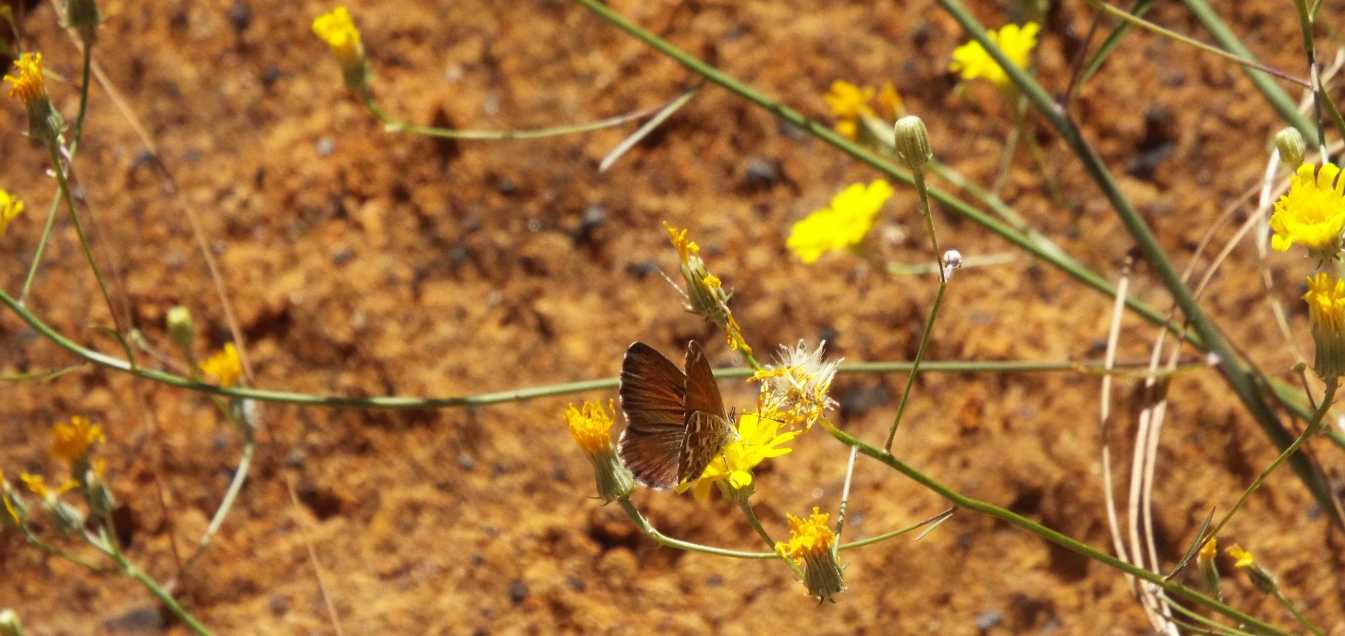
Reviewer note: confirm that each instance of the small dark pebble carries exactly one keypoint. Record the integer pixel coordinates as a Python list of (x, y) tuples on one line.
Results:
[(240, 14), (518, 591), (279, 605), (986, 620), (466, 462), (593, 218), (577, 584), (761, 173), (641, 268)]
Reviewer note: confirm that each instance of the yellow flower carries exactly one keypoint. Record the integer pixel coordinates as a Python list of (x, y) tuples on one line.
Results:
[(1209, 550), (590, 425), (1326, 311), (26, 82), (10, 208), (7, 496), (1312, 212), (972, 60), (71, 441), (338, 30), (686, 248), (1260, 577), (840, 226), (1244, 558), (705, 293), (225, 367), (758, 439), (849, 104), (810, 541), (794, 391), (37, 484)]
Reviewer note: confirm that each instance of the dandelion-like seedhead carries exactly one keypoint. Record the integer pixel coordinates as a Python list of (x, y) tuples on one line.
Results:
[(841, 225), (225, 367), (591, 425), (1326, 312), (759, 438), (795, 391), (10, 208), (338, 30), (972, 61), (809, 545), (1312, 213)]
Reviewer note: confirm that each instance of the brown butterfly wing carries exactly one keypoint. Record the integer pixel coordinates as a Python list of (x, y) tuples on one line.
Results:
[(707, 425), (652, 397)]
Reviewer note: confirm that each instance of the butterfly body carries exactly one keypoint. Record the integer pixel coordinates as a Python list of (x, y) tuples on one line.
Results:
[(676, 423)]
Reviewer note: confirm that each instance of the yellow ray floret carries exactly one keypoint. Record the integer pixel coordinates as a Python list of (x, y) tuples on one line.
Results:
[(591, 425), (25, 81), (338, 30), (72, 440), (841, 225), (759, 438), (1312, 213), (224, 367), (10, 208), (973, 62)]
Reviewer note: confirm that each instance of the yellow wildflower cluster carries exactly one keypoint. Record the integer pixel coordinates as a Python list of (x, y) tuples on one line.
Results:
[(841, 225), (759, 438), (225, 367), (973, 62), (1312, 213), (809, 545), (850, 105), (10, 208)]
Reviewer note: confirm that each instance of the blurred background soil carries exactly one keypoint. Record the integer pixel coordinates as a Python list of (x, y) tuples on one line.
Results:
[(366, 263)]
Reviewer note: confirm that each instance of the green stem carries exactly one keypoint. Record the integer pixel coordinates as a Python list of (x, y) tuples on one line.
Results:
[(64, 186), (226, 504), (1244, 381), (1293, 609), (915, 366), (78, 131), (1168, 33), (394, 125), (39, 376), (1279, 100), (845, 502), (1053, 536), (1315, 425), (1138, 9), (157, 590)]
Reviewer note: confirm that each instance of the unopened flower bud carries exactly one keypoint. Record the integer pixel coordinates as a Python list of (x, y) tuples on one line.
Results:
[(83, 17), (952, 261), (912, 142), (180, 327), (1291, 145), (1208, 569)]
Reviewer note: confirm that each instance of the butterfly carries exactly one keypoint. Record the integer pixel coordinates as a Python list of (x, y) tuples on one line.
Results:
[(675, 422)]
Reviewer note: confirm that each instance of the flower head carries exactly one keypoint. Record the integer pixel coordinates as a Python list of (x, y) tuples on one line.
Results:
[(795, 391), (705, 293), (591, 425), (1326, 311), (841, 225), (1312, 213), (71, 441), (1208, 568), (37, 484), (809, 545), (972, 61), (26, 83), (1260, 577), (849, 104), (10, 208), (225, 366), (759, 438), (338, 30)]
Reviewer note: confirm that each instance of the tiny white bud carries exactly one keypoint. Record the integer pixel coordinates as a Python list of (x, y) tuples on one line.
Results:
[(1212, 359), (952, 261)]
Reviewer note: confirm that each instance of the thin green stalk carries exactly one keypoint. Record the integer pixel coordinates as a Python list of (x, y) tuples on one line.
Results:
[(55, 551), (64, 186), (226, 504), (1293, 609), (1305, 26), (932, 522), (1285, 105), (746, 506), (1138, 9), (1318, 418), (915, 366), (518, 395), (130, 570), (39, 376), (1053, 536), (1019, 105), (397, 126), (1242, 379), (78, 131), (1168, 33)]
